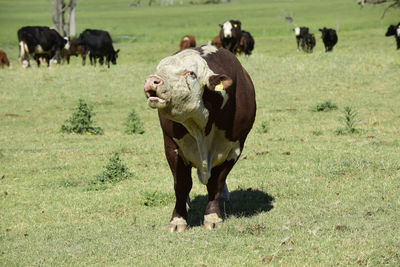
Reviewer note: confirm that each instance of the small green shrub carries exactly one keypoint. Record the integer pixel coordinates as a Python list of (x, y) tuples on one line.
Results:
[(133, 124), (324, 106), (114, 171), (264, 127), (349, 120), (81, 121), (317, 132)]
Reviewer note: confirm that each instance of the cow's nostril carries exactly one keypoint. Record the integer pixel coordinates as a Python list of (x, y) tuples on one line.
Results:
[(157, 82)]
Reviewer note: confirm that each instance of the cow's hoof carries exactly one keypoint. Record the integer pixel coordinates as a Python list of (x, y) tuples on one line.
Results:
[(212, 221), (177, 225)]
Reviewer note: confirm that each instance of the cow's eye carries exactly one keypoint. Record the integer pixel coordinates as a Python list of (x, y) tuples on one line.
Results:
[(191, 74)]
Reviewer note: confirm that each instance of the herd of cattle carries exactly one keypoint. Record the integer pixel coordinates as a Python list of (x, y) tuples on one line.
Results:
[(44, 44)]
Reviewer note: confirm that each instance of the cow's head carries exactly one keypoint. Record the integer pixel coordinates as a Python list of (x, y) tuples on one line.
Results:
[(231, 28), (297, 31), (323, 31), (114, 57), (67, 43), (176, 88), (391, 30)]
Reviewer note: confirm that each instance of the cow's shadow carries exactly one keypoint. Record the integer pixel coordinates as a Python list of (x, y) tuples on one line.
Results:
[(243, 203)]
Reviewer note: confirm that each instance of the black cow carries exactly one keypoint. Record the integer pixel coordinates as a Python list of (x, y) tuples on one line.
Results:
[(329, 37), (99, 44), (230, 35), (40, 42), (308, 42), (300, 33), (394, 31), (246, 44)]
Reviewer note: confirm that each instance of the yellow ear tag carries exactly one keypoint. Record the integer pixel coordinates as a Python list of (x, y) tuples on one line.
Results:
[(235, 25), (219, 87)]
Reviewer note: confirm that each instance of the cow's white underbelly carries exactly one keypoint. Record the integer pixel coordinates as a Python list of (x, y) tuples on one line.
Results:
[(206, 152)]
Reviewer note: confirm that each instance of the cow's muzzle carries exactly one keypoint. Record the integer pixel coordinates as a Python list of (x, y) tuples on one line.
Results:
[(152, 87)]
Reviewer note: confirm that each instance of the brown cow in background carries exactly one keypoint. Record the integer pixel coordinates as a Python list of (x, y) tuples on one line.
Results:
[(187, 41), (74, 50), (216, 42), (3, 59)]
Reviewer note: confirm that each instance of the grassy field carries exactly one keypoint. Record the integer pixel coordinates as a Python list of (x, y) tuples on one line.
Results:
[(302, 195)]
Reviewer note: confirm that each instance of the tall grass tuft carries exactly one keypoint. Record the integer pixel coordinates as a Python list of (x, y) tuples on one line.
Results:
[(349, 120), (81, 121)]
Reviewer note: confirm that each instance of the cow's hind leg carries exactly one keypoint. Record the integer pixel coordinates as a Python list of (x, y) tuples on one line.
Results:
[(217, 190)]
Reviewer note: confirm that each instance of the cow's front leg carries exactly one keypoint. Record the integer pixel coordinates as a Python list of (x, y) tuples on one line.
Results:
[(182, 186), (216, 188)]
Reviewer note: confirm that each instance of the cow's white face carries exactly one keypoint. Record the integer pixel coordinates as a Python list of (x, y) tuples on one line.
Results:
[(398, 31), (227, 28), (297, 31), (68, 44), (176, 88)]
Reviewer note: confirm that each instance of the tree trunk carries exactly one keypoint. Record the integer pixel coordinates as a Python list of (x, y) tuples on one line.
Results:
[(58, 16), (70, 25), (64, 28)]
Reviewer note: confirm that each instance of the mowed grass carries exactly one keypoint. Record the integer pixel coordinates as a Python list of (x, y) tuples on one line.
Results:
[(301, 195)]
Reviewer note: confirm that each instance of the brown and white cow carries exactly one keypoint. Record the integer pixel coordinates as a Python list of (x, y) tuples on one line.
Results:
[(4, 59), (74, 50), (230, 34), (206, 107), (187, 41)]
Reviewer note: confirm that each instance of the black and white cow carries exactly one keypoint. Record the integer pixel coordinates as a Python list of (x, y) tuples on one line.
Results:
[(206, 106), (394, 31), (300, 33), (329, 37), (40, 42), (230, 35), (246, 44), (99, 45)]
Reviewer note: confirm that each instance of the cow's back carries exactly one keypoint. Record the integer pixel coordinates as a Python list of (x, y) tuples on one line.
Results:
[(96, 40)]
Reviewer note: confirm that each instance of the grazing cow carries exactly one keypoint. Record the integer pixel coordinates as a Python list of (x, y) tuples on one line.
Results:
[(74, 50), (99, 44), (246, 44), (308, 43), (4, 59), (216, 42), (300, 33), (230, 35), (40, 42), (187, 41), (206, 107), (394, 31), (329, 37)]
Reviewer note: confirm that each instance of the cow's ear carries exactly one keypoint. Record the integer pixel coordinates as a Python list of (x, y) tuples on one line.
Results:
[(116, 52), (320, 30), (219, 82), (220, 25)]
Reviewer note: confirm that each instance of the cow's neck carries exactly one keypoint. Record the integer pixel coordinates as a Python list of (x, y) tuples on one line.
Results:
[(196, 126)]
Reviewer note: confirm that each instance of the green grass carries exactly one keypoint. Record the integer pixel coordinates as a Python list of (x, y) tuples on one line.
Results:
[(301, 195)]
